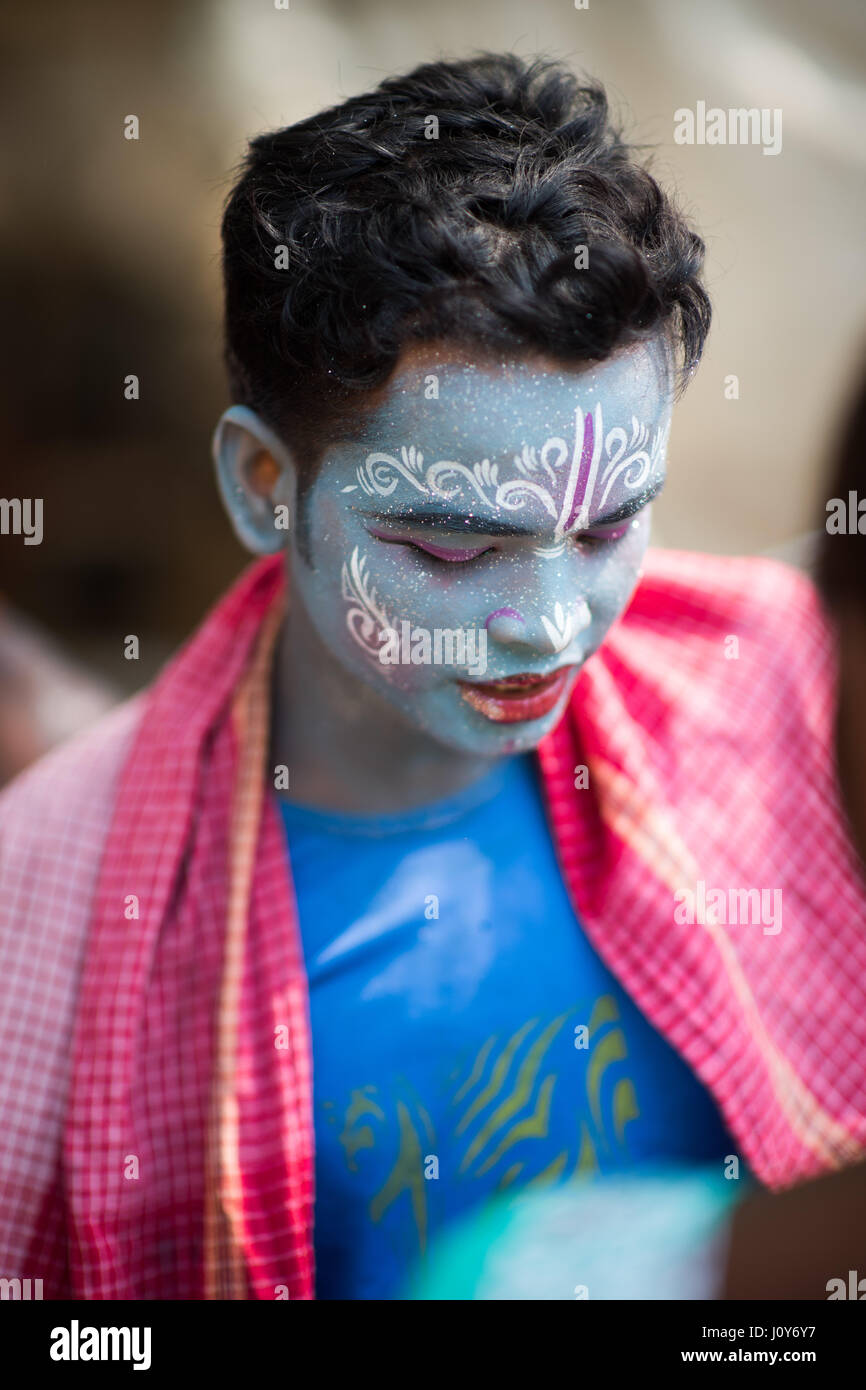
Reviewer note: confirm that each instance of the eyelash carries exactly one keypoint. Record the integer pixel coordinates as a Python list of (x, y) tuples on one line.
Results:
[(466, 557), (450, 557), (609, 536), (445, 557)]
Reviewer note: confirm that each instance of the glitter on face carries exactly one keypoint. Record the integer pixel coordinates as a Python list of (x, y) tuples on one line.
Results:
[(477, 505)]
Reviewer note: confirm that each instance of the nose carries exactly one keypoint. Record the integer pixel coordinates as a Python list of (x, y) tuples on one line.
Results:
[(540, 631)]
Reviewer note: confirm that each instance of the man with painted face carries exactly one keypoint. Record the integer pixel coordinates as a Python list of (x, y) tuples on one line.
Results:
[(503, 500), (386, 898)]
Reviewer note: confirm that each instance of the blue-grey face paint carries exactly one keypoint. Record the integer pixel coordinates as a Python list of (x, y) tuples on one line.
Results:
[(470, 550)]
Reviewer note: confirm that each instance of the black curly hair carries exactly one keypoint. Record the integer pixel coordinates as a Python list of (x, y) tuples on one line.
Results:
[(353, 233)]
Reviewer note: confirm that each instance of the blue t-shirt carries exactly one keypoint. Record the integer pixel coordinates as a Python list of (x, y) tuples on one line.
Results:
[(467, 1039)]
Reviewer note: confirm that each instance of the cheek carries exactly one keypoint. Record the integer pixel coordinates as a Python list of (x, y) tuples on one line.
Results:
[(428, 594), (359, 586), (613, 580)]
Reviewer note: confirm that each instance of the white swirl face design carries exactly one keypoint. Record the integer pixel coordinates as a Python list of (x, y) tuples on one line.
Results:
[(565, 626), (595, 459), (365, 616)]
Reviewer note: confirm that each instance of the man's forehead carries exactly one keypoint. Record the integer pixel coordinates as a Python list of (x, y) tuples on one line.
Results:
[(490, 406), (561, 449)]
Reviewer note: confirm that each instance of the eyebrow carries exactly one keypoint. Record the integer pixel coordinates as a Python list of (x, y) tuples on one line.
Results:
[(491, 526)]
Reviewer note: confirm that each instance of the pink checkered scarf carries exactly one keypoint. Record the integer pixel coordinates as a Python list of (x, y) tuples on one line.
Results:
[(162, 1147)]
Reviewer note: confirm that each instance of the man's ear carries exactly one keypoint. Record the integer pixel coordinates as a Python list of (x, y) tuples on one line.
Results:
[(256, 479)]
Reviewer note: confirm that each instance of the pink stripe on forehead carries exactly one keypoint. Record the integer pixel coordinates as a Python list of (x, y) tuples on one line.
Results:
[(583, 471)]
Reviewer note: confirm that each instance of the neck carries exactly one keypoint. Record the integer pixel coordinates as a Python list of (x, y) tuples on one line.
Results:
[(345, 747)]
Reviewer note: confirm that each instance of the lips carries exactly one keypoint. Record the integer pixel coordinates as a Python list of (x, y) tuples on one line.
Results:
[(517, 698)]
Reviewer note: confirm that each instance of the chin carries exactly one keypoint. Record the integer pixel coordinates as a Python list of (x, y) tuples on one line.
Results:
[(451, 721)]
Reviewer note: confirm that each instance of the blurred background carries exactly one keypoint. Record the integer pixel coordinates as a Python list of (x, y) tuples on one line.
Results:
[(110, 266)]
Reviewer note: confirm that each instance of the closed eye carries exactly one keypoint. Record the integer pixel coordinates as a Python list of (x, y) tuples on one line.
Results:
[(615, 527), (602, 534), (449, 555)]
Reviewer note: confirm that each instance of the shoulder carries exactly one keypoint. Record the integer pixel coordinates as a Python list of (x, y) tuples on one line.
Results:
[(54, 819), (67, 794), (755, 614), (732, 648), (710, 591)]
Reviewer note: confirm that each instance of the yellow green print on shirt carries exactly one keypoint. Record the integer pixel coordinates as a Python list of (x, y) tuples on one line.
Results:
[(499, 1108)]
